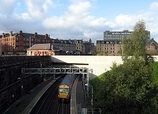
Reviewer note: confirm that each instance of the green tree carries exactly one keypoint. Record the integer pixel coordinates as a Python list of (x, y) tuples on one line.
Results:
[(135, 46), (129, 88)]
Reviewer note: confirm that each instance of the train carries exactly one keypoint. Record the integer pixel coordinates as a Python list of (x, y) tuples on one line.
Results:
[(64, 90)]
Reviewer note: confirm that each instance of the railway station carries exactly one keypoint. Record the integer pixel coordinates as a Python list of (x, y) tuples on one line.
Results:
[(31, 77), (28, 81)]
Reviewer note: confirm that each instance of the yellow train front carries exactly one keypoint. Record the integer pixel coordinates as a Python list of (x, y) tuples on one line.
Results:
[(64, 91)]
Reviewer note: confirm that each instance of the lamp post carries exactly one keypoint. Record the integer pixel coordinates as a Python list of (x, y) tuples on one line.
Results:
[(88, 85), (92, 94), (88, 77)]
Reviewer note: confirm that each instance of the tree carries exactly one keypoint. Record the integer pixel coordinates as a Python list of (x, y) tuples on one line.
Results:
[(135, 47), (129, 88)]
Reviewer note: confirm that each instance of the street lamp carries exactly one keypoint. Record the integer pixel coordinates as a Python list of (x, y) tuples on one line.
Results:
[(88, 85), (92, 94), (88, 76)]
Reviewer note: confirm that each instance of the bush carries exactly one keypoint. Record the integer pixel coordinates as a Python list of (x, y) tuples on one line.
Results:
[(127, 89)]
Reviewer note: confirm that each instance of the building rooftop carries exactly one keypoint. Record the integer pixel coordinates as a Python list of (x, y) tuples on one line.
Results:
[(45, 46)]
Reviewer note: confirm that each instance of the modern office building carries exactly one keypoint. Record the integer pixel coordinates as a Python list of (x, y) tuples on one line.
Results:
[(118, 35)]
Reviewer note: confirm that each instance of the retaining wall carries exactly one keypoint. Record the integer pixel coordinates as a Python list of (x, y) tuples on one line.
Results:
[(97, 64)]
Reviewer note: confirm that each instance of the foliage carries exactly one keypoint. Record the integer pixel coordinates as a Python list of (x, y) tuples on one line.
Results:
[(129, 88), (155, 72), (135, 46)]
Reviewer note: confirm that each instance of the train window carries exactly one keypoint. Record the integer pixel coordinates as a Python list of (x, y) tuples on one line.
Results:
[(63, 90)]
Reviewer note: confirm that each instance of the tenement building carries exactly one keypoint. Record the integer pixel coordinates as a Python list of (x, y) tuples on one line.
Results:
[(66, 46), (88, 46), (18, 43), (108, 47), (72, 47), (111, 43)]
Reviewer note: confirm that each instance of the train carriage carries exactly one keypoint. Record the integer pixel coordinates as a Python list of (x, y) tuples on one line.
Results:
[(64, 91)]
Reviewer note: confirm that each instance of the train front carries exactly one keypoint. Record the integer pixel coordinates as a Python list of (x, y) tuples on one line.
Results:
[(63, 92)]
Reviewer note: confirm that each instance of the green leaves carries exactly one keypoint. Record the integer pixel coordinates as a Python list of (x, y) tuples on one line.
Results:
[(135, 47), (127, 88)]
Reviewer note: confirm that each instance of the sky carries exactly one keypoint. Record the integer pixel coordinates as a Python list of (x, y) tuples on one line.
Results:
[(77, 19)]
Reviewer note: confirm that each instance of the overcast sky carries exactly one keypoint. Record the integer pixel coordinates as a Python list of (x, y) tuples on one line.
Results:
[(77, 19)]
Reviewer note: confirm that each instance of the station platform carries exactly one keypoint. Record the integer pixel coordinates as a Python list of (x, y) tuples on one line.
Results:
[(26, 103)]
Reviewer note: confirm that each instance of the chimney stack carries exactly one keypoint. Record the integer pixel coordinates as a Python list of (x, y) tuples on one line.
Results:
[(3, 35), (35, 35), (11, 33), (20, 33)]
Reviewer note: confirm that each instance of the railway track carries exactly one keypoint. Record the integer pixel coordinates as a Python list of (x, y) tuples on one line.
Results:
[(48, 102), (73, 98), (63, 108)]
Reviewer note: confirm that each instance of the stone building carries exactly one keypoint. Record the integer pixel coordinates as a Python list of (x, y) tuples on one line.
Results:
[(45, 49), (111, 43), (152, 47), (65, 46), (84, 47), (73, 46), (88, 46), (18, 43), (108, 47)]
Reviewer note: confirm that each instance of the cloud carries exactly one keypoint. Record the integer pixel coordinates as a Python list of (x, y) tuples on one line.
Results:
[(70, 20), (154, 6), (79, 9), (124, 21), (77, 21), (34, 10), (7, 7)]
